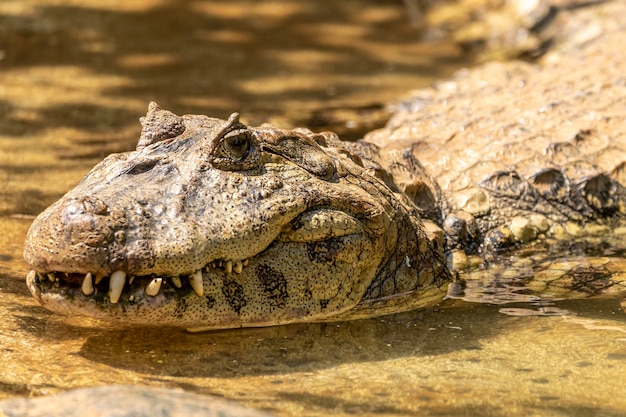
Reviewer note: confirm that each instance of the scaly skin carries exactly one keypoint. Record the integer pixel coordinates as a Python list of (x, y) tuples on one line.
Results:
[(212, 224)]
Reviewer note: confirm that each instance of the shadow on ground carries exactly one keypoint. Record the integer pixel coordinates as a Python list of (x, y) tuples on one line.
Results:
[(212, 57), (292, 348)]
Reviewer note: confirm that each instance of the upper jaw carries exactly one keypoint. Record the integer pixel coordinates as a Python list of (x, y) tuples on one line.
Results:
[(152, 271)]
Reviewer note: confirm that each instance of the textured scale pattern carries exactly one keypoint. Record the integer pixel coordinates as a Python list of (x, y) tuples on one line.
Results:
[(545, 143), (214, 224)]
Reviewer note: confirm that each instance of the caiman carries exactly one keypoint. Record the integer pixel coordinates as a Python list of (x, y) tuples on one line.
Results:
[(210, 223), (213, 224)]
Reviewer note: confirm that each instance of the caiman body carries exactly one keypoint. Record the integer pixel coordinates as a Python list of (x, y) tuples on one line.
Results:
[(213, 224)]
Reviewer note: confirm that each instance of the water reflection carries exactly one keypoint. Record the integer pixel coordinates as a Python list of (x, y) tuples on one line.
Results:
[(540, 274)]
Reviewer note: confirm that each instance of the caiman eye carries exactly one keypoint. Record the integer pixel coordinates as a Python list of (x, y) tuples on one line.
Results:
[(236, 144), (236, 150)]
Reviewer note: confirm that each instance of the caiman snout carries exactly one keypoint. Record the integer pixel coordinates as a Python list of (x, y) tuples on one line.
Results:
[(73, 235)]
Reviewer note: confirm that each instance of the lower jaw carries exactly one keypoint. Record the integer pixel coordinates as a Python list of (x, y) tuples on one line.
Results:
[(172, 307)]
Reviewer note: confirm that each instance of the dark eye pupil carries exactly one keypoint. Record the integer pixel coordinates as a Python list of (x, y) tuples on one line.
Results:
[(237, 146)]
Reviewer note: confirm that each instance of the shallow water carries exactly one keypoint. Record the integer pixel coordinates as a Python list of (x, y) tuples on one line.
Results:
[(73, 81), (465, 359)]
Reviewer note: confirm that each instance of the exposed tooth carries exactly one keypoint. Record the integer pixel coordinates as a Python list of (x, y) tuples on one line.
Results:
[(176, 282), (131, 298), (228, 266), (99, 278), (116, 285), (154, 286), (130, 280), (219, 263), (51, 277), (195, 280), (246, 262), (238, 267), (31, 276), (213, 265), (87, 287)]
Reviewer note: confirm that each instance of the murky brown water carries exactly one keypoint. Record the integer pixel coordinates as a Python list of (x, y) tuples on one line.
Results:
[(73, 80)]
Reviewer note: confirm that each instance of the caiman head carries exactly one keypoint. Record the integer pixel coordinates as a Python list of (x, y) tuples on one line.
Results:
[(213, 224)]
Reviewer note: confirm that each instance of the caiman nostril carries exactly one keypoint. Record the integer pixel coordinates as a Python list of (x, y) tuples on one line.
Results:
[(85, 205), (82, 219)]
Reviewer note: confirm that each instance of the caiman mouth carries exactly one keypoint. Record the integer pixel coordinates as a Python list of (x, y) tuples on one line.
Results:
[(317, 241), (119, 283)]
